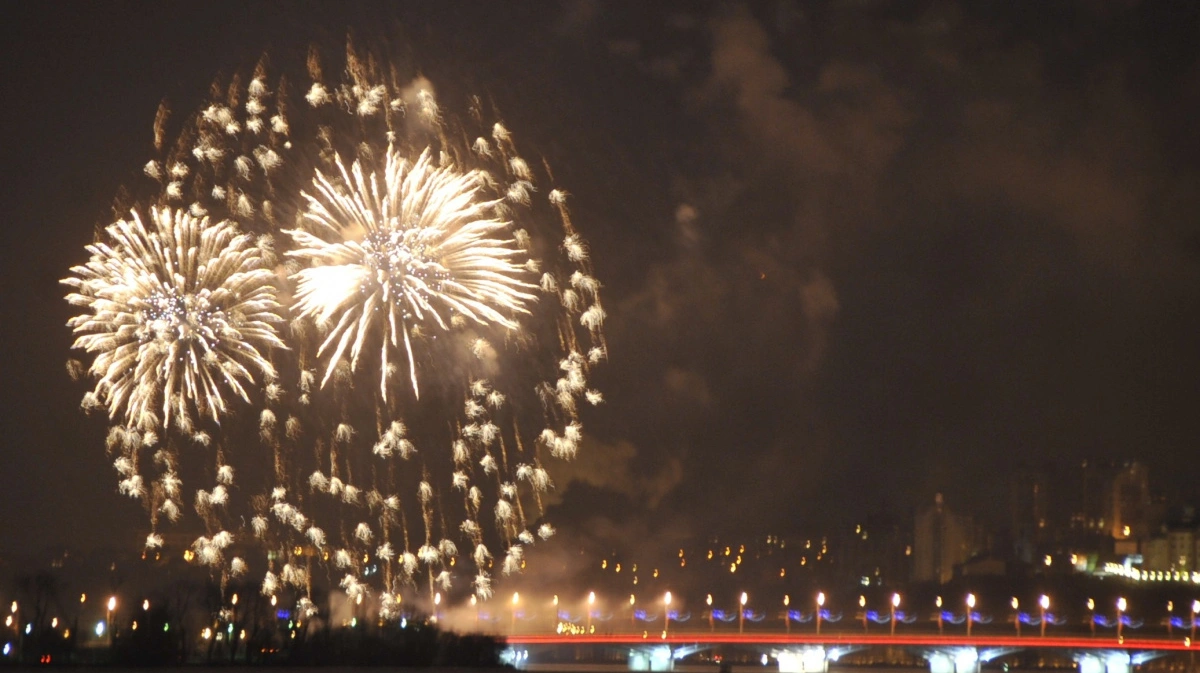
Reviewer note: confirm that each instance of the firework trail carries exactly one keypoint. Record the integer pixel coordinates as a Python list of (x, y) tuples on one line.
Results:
[(399, 305)]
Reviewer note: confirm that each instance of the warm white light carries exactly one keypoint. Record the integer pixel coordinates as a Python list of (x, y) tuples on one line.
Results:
[(666, 598), (591, 597), (1121, 604), (821, 598), (743, 599), (896, 600), (1015, 603), (516, 598), (971, 600), (112, 603), (1044, 601)]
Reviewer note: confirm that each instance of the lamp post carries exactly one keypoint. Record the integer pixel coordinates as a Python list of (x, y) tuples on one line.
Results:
[(112, 605), (1044, 603), (437, 602), (895, 604), (666, 613), (1016, 605), (708, 601), (632, 612), (591, 602), (862, 604), (1170, 615), (787, 615), (820, 604), (554, 605), (970, 609), (1195, 611), (512, 628), (742, 612), (1121, 605), (938, 603), (1092, 615), (475, 604)]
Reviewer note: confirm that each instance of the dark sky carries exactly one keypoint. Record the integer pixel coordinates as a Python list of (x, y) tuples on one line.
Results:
[(855, 252)]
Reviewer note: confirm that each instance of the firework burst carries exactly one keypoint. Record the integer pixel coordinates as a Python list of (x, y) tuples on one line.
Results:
[(179, 315), (420, 246), (398, 241)]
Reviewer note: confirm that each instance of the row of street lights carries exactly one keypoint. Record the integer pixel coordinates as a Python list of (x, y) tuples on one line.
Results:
[(970, 601)]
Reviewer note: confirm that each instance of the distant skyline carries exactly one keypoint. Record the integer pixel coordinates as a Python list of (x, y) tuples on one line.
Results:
[(855, 253)]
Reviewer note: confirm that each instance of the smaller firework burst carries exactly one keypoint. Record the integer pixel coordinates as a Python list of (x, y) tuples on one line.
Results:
[(179, 315)]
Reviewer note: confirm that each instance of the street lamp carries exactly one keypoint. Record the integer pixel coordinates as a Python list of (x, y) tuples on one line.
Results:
[(1170, 615), (1044, 604), (820, 604), (937, 602), (112, 605), (666, 613), (708, 601), (1195, 610), (475, 604), (1016, 605), (437, 601), (862, 603), (970, 609), (742, 611), (1092, 615), (591, 602), (895, 604), (787, 614), (516, 600), (1121, 605)]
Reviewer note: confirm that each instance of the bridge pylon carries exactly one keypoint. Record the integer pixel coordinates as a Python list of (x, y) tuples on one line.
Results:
[(812, 659), (956, 660)]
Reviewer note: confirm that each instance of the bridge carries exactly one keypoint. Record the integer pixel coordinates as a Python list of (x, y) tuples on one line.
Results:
[(813, 653)]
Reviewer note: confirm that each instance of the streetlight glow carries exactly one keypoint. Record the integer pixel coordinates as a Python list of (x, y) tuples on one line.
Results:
[(1121, 605), (742, 612)]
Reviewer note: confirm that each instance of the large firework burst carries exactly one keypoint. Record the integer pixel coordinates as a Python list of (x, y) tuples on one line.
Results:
[(419, 247), (422, 240), (179, 315)]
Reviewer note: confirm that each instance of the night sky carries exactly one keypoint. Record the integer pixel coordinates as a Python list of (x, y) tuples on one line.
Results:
[(855, 253)]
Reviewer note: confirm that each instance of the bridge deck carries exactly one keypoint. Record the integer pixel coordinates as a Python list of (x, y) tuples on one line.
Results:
[(862, 640)]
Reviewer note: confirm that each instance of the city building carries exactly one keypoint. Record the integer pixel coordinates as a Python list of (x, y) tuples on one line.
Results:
[(942, 539)]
